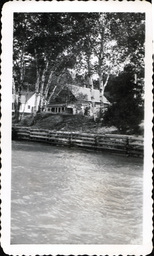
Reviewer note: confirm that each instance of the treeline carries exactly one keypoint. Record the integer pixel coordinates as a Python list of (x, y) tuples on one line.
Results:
[(52, 49)]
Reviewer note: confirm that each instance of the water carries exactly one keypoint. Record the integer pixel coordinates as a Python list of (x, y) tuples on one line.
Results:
[(72, 196)]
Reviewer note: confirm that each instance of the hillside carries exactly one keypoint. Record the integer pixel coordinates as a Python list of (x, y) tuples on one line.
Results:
[(72, 123), (66, 123)]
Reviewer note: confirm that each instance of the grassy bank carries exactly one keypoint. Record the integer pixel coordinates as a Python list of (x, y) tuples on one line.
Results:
[(65, 123), (76, 123)]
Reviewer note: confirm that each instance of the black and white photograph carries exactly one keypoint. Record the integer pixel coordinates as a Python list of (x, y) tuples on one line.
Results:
[(79, 124)]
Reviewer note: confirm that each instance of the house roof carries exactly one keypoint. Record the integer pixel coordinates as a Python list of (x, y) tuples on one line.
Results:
[(79, 91), (82, 94), (25, 96)]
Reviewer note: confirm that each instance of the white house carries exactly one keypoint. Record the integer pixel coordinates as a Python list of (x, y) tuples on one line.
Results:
[(27, 102)]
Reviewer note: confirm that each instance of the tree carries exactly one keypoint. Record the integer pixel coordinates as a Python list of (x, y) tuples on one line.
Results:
[(48, 48), (92, 44), (19, 54), (126, 111), (115, 39), (46, 40)]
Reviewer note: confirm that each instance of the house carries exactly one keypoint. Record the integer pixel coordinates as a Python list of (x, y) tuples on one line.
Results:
[(27, 102), (68, 99), (72, 99)]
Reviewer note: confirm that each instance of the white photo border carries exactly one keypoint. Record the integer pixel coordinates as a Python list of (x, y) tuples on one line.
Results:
[(6, 57)]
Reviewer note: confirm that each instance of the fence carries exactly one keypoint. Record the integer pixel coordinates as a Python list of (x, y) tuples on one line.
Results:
[(124, 144)]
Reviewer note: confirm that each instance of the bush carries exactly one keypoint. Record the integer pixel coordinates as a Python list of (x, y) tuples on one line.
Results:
[(126, 117)]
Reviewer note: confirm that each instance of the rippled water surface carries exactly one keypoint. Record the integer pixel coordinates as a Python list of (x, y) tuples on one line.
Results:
[(73, 196)]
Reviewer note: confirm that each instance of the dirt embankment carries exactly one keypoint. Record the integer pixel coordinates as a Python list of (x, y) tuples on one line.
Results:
[(71, 123), (66, 123)]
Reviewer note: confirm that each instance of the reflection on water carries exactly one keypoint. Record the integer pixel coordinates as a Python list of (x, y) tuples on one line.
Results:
[(73, 196)]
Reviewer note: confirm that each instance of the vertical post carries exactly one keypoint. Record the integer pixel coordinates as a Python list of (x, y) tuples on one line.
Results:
[(127, 146), (96, 141), (70, 140)]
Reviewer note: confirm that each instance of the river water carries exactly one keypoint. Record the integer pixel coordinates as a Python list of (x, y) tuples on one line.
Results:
[(62, 195)]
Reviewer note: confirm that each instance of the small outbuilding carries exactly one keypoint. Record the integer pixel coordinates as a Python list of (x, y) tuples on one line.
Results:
[(27, 102)]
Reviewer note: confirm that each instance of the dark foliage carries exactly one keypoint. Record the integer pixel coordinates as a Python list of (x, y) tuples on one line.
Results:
[(126, 111)]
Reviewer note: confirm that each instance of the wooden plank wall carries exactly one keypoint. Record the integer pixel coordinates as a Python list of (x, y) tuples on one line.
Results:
[(123, 144)]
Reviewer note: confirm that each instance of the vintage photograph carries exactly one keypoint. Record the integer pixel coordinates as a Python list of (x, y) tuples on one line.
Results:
[(78, 83), (78, 127)]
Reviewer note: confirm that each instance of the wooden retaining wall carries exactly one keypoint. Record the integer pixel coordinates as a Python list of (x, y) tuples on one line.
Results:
[(129, 145)]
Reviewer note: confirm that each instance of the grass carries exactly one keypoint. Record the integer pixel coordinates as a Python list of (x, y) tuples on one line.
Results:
[(63, 122), (76, 123)]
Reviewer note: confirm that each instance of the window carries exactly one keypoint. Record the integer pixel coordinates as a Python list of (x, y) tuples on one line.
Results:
[(28, 106)]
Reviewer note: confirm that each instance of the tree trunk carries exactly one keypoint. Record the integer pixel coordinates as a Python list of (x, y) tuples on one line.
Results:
[(47, 88), (90, 82), (100, 72), (101, 95), (42, 84), (36, 92), (17, 109), (92, 97), (58, 81), (37, 84), (52, 93), (18, 96)]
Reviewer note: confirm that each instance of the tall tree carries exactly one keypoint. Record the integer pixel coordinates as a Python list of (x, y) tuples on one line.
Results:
[(49, 39), (126, 110), (115, 39), (21, 36), (92, 43)]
